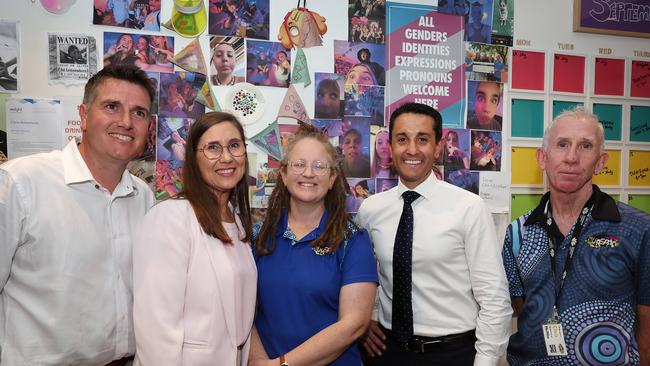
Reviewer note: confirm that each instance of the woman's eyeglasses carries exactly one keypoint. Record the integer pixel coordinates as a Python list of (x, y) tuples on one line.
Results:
[(213, 150), (317, 167)]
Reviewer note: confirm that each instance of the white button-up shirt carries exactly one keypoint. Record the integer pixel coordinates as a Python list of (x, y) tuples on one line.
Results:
[(65, 261), (459, 282)]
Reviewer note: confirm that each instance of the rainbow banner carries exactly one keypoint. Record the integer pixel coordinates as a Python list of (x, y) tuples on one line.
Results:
[(425, 60)]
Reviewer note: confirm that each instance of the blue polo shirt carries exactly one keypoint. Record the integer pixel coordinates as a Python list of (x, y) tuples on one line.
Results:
[(609, 277), (298, 290)]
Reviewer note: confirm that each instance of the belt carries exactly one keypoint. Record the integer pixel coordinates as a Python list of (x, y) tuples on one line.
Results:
[(422, 344), (121, 362)]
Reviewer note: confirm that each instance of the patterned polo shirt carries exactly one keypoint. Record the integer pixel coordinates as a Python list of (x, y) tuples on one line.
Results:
[(608, 278)]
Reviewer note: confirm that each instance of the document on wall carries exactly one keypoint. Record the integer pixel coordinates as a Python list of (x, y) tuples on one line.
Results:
[(33, 126), (71, 122)]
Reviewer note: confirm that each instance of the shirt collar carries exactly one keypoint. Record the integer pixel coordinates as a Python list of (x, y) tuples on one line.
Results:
[(76, 171), (286, 232), (604, 208), (426, 189)]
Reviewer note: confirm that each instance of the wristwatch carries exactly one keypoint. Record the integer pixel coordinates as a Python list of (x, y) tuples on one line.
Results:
[(283, 362)]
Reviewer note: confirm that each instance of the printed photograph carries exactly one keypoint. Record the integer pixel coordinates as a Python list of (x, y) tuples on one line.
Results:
[(463, 178), (455, 152), (486, 62), (9, 50), (484, 105), (135, 14), (72, 57), (486, 151), (385, 184), (358, 191), (360, 63), (240, 18), (148, 52), (268, 64), (227, 64), (178, 93), (365, 101), (355, 147), (382, 158), (172, 134), (503, 22), (328, 96), (367, 21), (168, 178)]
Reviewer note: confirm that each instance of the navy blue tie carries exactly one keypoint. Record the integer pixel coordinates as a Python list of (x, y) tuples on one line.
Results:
[(402, 321)]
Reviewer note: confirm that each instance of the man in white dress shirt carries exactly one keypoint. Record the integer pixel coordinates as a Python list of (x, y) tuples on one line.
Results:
[(66, 219), (459, 303)]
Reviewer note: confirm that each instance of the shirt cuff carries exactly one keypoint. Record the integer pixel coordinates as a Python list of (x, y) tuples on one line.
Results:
[(483, 360)]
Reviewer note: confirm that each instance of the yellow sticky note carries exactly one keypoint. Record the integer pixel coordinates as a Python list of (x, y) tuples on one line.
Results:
[(639, 172), (524, 166), (611, 173)]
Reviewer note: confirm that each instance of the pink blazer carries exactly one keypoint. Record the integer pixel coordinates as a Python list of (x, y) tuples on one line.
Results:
[(184, 293)]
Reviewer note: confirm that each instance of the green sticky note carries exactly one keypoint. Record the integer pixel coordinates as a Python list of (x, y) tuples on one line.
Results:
[(640, 201), (522, 203), (611, 117), (560, 106), (527, 118), (640, 123)]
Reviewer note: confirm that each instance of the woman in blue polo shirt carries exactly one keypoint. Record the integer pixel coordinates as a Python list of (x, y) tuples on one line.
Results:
[(317, 273)]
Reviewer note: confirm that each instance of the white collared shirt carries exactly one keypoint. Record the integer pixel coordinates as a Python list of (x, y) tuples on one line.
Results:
[(459, 282), (65, 261)]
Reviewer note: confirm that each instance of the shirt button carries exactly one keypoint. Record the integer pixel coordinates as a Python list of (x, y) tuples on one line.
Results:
[(96, 186)]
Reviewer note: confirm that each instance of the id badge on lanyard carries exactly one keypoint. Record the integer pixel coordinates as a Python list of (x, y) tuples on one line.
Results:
[(554, 336), (552, 329)]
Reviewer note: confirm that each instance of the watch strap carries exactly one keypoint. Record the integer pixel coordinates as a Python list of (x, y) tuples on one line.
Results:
[(283, 361)]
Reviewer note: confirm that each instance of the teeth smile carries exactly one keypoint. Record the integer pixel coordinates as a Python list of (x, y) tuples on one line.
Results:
[(413, 162), (121, 137), (307, 184), (226, 171)]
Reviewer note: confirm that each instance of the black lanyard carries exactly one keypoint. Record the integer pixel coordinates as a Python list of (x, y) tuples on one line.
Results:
[(579, 225)]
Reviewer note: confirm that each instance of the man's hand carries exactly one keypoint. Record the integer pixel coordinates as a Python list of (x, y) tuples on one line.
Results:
[(373, 340)]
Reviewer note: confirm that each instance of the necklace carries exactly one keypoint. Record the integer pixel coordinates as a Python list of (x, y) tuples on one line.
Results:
[(218, 82)]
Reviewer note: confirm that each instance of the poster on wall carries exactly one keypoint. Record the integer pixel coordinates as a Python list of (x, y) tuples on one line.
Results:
[(73, 58), (33, 126), (425, 60), (9, 56)]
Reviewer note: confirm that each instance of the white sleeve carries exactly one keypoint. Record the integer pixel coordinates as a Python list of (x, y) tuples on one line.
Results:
[(489, 285), (12, 223), (161, 253)]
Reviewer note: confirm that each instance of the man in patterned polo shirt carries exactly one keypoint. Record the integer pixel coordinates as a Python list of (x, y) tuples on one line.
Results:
[(579, 263)]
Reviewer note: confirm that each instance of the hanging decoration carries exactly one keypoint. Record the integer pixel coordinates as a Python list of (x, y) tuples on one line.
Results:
[(191, 58), (57, 6), (302, 28), (269, 140), (300, 72), (293, 107), (207, 98)]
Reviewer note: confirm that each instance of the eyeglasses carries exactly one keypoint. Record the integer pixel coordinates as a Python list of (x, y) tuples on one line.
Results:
[(213, 150), (317, 167)]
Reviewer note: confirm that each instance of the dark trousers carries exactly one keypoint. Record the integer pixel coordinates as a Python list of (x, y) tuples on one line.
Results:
[(394, 355)]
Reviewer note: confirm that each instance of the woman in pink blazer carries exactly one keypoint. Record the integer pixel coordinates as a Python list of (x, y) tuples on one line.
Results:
[(194, 276)]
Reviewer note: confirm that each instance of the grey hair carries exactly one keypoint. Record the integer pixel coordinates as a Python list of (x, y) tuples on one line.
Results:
[(578, 113)]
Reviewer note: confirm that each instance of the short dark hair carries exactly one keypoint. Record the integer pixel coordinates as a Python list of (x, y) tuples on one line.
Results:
[(362, 51), (417, 108), (352, 131), (129, 73)]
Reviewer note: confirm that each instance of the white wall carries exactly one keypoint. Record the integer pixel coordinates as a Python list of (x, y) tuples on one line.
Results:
[(544, 23)]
